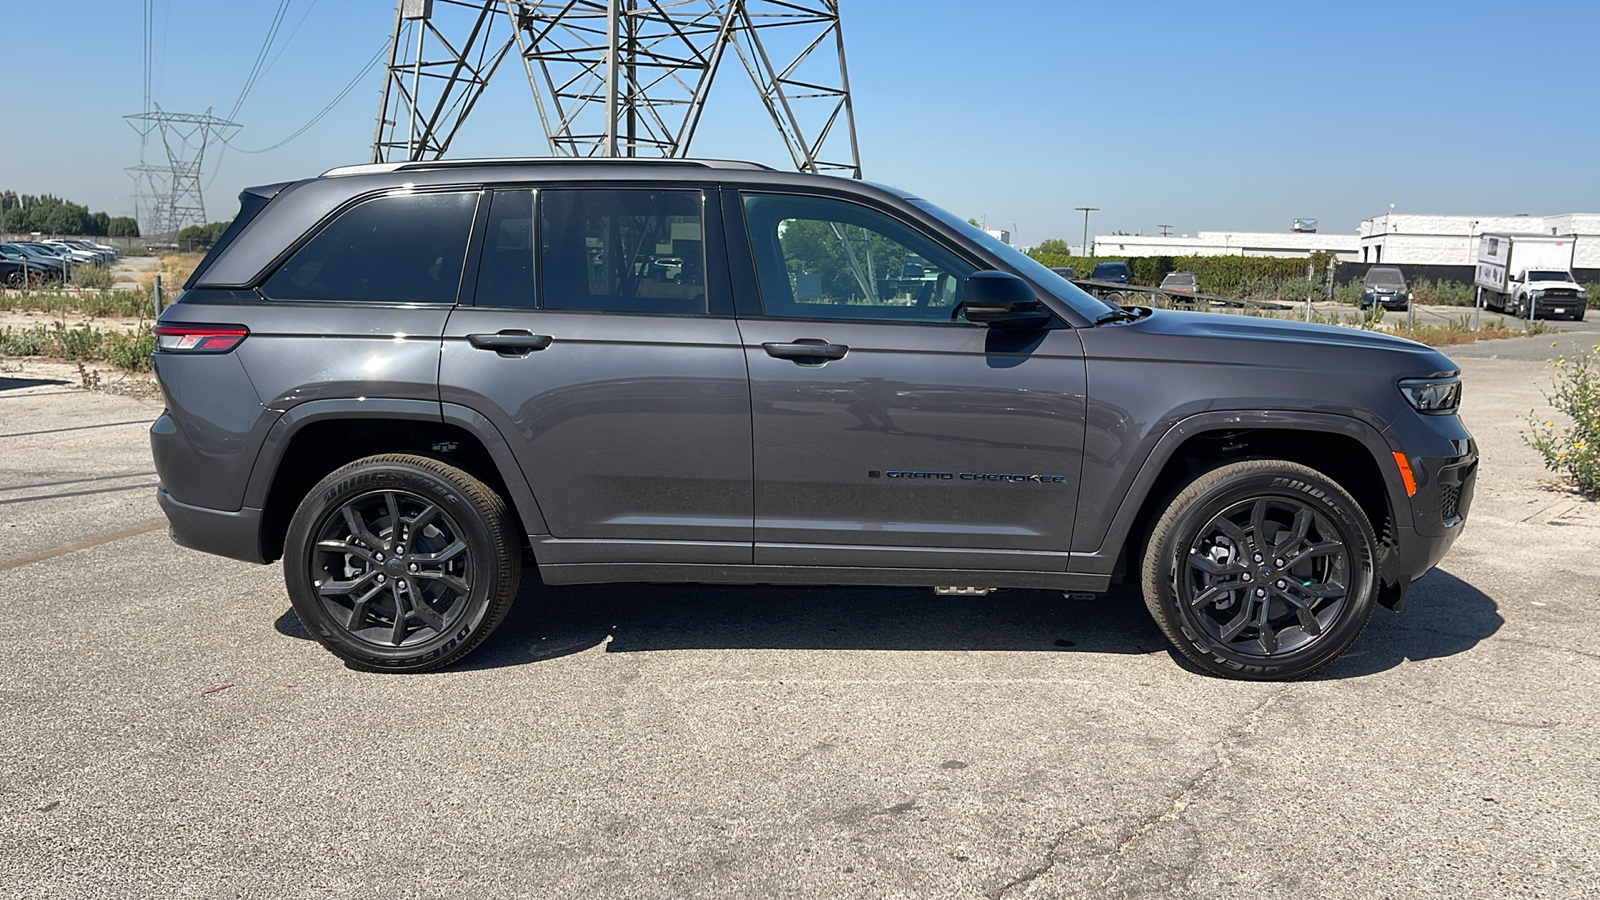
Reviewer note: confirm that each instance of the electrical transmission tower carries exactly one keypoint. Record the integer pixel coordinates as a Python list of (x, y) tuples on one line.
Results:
[(619, 77), (169, 195)]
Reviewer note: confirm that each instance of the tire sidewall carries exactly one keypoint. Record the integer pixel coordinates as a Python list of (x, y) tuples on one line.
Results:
[(362, 478), (1321, 495)]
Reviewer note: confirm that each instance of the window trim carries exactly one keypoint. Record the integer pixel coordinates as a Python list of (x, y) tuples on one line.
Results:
[(756, 307), (311, 234)]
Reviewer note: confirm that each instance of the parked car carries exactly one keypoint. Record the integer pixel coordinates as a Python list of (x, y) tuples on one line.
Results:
[(1384, 286), (12, 273), (782, 421), (1066, 272), (1111, 271), (102, 254), (1180, 283), (53, 267), (71, 254)]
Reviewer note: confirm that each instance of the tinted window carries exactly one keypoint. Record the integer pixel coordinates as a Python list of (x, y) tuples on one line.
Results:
[(635, 251), (505, 276), (404, 248), (818, 258)]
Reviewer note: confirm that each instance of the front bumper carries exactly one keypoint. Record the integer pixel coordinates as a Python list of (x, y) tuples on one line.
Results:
[(235, 534), (1445, 486)]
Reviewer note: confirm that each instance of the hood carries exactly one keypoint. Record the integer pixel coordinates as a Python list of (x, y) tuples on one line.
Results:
[(1252, 341)]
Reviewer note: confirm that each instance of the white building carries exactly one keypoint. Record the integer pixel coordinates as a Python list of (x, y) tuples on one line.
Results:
[(1428, 240), (1230, 243)]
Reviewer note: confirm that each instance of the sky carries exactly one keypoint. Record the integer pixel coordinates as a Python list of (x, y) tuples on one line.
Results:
[(1217, 116)]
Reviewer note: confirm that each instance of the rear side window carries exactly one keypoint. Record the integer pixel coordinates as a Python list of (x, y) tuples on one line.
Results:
[(403, 248), (627, 250)]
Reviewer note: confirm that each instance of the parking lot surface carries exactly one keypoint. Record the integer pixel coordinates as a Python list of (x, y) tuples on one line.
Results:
[(168, 730)]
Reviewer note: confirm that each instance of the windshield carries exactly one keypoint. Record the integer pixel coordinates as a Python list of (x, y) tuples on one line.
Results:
[(1548, 275), (1385, 277), (1023, 264)]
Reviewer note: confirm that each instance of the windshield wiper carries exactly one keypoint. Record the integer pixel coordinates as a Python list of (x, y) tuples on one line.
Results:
[(1118, 315)]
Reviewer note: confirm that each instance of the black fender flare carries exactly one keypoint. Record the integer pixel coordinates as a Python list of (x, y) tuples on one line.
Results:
[(1103, 559)]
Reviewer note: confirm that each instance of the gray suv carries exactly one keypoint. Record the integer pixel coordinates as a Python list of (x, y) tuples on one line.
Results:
[(403, 379)]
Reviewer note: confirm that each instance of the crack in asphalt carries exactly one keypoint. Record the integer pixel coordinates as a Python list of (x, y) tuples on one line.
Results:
[(1050, 860), (1186, 797)]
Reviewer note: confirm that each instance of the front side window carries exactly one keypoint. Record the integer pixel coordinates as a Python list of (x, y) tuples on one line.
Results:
[(632, 250), (819, 258), (402, 248)]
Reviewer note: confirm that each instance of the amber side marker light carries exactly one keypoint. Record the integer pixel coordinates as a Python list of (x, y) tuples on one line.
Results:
[(184, 338), (1405, 473)]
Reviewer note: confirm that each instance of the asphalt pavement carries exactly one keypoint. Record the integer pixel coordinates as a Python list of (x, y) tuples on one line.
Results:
[(167, 729)]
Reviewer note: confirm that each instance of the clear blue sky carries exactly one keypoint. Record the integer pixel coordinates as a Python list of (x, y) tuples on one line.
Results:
[(1224, 115)]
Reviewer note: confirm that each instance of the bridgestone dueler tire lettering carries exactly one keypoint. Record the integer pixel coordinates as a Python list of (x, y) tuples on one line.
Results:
[(478, 512), (1166, 555)]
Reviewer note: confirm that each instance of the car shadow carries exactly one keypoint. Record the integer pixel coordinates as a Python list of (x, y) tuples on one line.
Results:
[(12, 384), (1443, 616)]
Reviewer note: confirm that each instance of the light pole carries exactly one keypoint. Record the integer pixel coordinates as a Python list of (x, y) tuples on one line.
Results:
[(1086, 210)]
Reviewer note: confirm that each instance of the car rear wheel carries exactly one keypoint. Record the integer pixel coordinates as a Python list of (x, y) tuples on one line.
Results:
[(401, 563), (1262, 570)]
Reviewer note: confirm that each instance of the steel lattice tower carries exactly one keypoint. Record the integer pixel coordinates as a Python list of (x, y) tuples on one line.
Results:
[(169, 196), (619, 77)]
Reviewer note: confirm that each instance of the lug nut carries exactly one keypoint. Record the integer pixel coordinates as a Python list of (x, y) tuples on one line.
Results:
[(401, 551), (1246, 576), (414, 567), (1261, 592), (1258, 557), (381, 579), (378, 557), (1282, 583), (1278, 563)]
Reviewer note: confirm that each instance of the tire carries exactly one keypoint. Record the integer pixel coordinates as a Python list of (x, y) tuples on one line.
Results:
[(349, 573), (1198, 549)]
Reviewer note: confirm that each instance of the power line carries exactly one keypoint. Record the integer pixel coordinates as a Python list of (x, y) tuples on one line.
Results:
[(261, 55), (344, 92)]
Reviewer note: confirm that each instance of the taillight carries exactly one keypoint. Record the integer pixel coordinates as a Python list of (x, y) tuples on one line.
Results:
[(184, 338)]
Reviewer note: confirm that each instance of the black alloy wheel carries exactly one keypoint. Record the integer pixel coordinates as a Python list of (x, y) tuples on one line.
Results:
[(401, 563), (1262, 569)]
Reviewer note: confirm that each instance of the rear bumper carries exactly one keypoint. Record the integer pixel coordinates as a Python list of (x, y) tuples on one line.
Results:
[(235, 534)]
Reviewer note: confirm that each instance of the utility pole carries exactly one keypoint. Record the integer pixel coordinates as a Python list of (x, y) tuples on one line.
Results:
[(1165, 230), (1086, 210)]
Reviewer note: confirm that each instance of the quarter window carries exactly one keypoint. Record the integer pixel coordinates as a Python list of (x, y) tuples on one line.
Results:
[(818, 258), (505, 276), (403, 248), (629, 250)]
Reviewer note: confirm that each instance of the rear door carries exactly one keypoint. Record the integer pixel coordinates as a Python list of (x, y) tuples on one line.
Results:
[(603, 346)]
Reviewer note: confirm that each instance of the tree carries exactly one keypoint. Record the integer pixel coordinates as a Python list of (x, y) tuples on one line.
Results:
[(200, 237), (123, 226), (1053, 247)]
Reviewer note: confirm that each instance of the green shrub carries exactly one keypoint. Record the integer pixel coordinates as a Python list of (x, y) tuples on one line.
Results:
[(89, 276), (1573, 448), (129, 352), (31, 341), (81, 342)]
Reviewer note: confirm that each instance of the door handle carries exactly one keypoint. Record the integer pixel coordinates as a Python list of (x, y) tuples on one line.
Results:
[(510, 342), (806, 351)]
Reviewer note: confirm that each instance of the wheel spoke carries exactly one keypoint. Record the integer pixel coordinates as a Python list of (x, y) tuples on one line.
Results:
[(393, 503), (446, 579), (1267, 637), (347, 546), (358, 528), (1232, 629), (400, 615), (1216, 592), (423, 518), (1297, 532), (1258, 525), (358, 612), (1213, 568), (1320, 548), (344, 588), (421, 609), (442, 556), (1308, 621), (1234, 533)]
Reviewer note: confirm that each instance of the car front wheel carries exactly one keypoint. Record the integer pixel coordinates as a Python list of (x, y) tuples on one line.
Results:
[(401, 563), (1262, 570)]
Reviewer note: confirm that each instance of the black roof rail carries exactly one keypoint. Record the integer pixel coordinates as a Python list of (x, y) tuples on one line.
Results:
[(436, 164)]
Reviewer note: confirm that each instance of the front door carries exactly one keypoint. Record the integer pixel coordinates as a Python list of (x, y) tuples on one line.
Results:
[(889, 431), (611, 363)]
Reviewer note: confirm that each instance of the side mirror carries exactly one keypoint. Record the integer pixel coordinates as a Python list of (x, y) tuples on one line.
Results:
[(1002, 300)]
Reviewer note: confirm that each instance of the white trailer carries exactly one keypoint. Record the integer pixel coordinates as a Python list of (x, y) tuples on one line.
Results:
[(1529, 275)]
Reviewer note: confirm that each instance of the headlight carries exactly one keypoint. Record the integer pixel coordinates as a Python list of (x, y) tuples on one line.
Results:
[(1432, 395)]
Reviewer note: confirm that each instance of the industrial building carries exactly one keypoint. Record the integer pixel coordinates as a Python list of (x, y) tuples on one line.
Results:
[(1230, 243), (1410, 239)]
